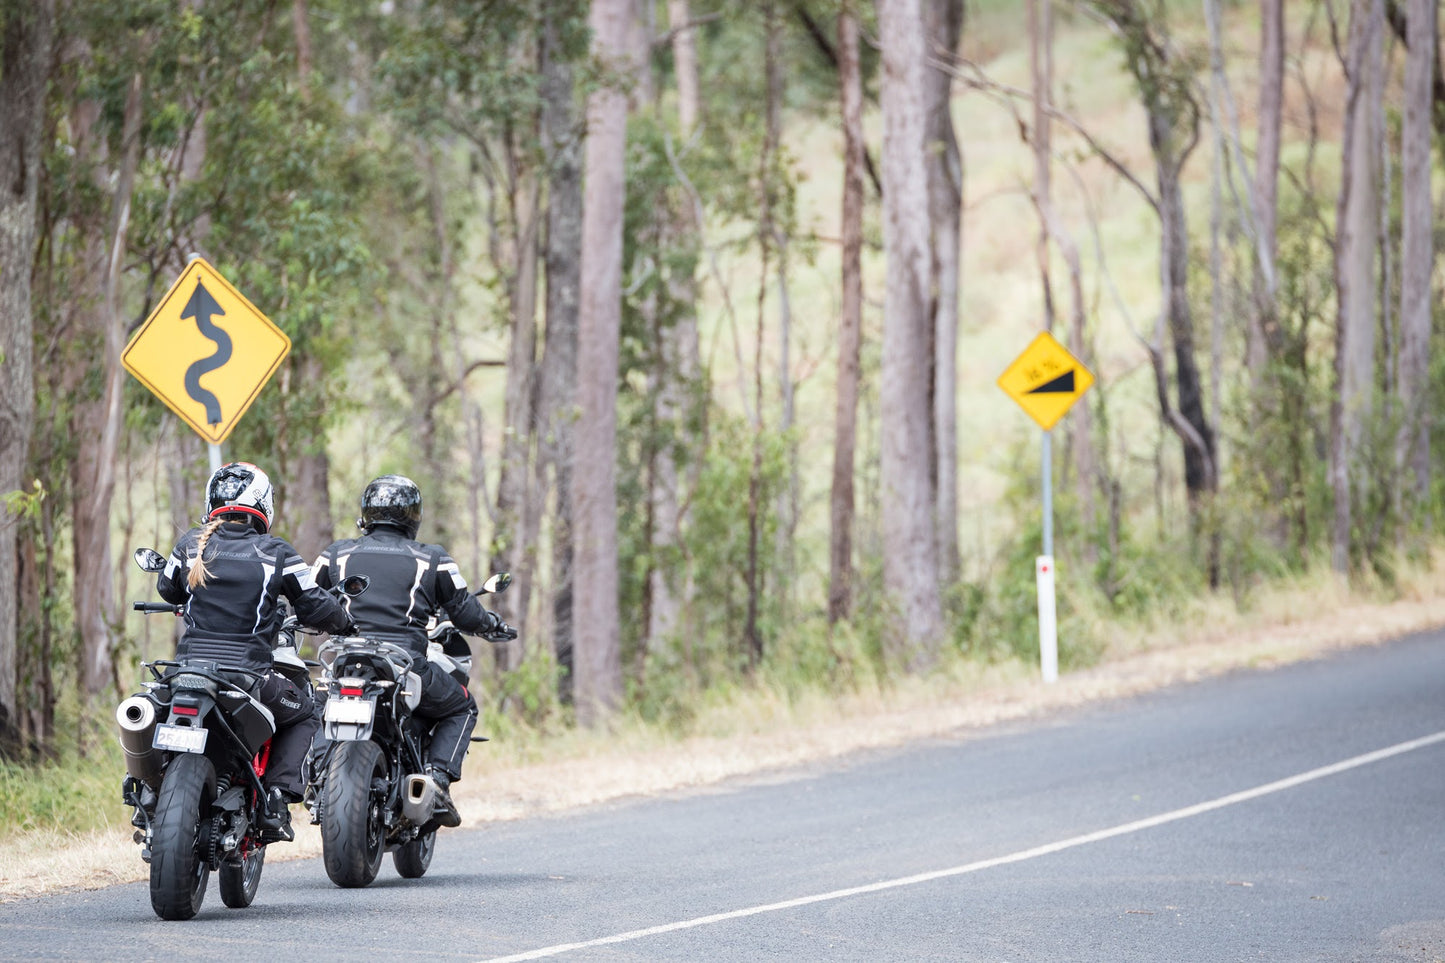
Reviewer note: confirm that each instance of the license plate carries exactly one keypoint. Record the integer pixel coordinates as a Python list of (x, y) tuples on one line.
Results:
[(180, 738), (356, 711)]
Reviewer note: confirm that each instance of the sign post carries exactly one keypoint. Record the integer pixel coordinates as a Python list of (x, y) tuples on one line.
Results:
[(1046, 380), (203, 328)]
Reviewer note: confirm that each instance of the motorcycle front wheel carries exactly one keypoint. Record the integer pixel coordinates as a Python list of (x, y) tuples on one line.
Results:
[(239, 878), (413, 858), (179, 868), (353, 836)]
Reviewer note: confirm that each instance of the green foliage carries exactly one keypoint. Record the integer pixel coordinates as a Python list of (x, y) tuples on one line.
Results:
[(22, 504), (64, 790), (708, 650)]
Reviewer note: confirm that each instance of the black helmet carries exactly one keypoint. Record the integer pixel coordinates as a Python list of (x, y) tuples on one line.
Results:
[(391, 500), (240, 487)]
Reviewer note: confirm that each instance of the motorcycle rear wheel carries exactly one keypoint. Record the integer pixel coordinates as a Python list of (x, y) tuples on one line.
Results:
[(353, 836), (240, 878), (179, 869), (412, 859)]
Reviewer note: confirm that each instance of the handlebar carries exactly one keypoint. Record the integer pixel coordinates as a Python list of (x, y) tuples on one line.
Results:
[(150, 607), (502, 633)]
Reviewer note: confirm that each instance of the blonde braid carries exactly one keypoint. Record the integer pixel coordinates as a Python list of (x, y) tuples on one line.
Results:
[(199, 576)]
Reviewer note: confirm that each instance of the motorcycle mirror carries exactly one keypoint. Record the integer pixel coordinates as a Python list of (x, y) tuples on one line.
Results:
[(497, 584), (149, 560), (354, 585)]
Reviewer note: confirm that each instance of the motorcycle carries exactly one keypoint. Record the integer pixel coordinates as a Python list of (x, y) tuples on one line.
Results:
[(196, 746), (370, 793)]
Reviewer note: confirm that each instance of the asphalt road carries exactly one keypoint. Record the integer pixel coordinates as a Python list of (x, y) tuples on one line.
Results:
[(1284, 815)]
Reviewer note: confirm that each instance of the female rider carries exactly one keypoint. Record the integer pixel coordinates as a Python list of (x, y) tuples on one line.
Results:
[(229, 575)]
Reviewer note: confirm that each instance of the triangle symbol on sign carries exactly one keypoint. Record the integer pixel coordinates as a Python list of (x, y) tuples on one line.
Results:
[(1062, 385)]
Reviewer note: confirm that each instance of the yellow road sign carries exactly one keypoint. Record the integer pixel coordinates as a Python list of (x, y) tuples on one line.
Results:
[(1046, 380), (206, 351)]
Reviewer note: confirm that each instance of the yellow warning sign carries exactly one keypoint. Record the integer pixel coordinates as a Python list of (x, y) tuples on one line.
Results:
[(206, 351), (1046, 380)]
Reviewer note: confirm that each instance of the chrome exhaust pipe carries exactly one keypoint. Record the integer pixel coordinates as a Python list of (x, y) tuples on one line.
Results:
[(136, 717), (421, 798), (423, 803)]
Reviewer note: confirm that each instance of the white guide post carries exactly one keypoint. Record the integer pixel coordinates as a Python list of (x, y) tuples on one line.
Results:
[(1044, 573)]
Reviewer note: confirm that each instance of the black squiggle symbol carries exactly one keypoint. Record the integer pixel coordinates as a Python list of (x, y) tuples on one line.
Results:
[(203, 307)]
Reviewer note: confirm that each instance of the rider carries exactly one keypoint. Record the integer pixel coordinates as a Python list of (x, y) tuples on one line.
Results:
[(411, 581), (229, 575)]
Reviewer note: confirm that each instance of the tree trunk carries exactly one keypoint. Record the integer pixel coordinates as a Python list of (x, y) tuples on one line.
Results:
[(96, 415), (1357, 216), (684, 64), (945, 204), (557, 407), (676, 374), (1417, 263), (1263, 334), (1200, 475), (511, 551), (1080, 426), (850, 324), (1041, 66), (310, 486), (598, 679), (910, 554), (25, 62)]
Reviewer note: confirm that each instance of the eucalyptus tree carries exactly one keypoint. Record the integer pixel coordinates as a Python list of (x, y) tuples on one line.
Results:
[(944, 24), (596, 631), (910, 551), (1163, 74), (27, 29), (556, 415), (850, 320), (1417, 262), (1355, 264)]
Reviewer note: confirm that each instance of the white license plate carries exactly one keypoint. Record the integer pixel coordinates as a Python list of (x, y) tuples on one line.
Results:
[(180, 738), (356, 711)]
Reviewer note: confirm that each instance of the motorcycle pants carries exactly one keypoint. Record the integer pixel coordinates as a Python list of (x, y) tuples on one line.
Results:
[(296, 722), (452, 712)]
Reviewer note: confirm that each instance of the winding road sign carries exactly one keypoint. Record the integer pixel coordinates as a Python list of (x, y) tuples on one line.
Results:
[(206, 351), (1046, 380)]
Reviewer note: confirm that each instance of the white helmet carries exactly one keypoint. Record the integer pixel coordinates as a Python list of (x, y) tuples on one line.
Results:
[(240, 487)]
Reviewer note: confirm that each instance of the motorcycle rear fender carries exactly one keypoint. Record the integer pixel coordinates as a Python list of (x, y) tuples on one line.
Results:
[(199, 701), (351, 731), (232, 800)]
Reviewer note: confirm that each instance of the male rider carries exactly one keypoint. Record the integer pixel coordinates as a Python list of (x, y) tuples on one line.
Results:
[(410, 581)]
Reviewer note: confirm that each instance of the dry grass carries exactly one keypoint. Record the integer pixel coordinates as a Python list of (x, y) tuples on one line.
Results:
[(762, 732)]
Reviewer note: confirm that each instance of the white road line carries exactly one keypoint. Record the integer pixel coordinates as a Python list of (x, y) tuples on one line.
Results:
[(1173, 816)]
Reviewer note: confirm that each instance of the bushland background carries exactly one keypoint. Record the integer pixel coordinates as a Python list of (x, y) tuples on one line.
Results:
[(689, 316)]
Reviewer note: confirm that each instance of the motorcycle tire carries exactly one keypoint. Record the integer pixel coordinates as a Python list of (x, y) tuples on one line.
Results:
[(239, 878), (353, 836), (179, 869), (412, 859)]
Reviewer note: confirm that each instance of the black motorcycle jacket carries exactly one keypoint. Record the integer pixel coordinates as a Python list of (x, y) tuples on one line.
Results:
[(409, 582), (232, 617)]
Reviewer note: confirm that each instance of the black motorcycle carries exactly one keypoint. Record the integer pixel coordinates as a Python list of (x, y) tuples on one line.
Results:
[(370, 793), (196, 747)]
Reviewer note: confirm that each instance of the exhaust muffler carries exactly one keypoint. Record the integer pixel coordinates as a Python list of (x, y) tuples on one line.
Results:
[(423, 803), (136, 717)]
